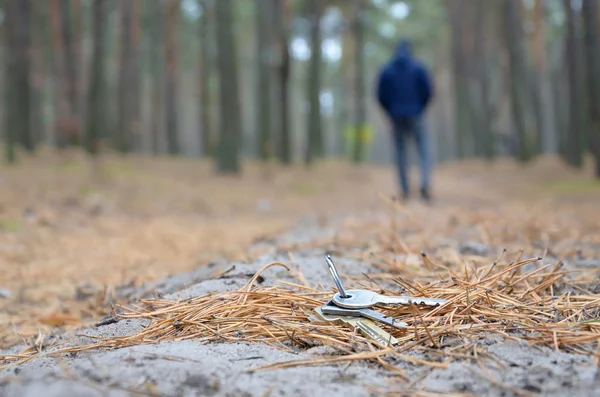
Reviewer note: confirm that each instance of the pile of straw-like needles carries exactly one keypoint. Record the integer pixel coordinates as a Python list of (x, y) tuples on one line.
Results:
[(499, 299)]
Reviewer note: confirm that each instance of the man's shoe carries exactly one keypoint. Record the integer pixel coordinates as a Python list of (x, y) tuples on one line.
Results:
[(425, 194)]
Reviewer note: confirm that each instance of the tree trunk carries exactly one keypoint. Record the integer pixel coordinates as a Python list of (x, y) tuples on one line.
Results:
[(136, 81), (315, 127), (474, 139), (38, 75), (69, 54), (71, 79), (96, 125), (230, 106), (575, 133), (263, 115), (591, 25), (23, 83), (157, 52), (521, 102), (204, 77), (77, 35), (543, 95), (125, 85), (18, 84), (345, 84), (65, 123), (462, 119), (172, 89), (482, 105), (360, 107), (282, 11), (560, 94), (339, 109)]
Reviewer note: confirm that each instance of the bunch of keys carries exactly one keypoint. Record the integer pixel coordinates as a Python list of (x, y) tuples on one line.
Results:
[(353, 307)]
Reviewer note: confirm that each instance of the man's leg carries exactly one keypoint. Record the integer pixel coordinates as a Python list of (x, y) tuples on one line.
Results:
[(422, 140), (400, 130)]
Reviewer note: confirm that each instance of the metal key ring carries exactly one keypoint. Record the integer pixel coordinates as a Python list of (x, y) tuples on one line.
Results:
[(336, 277)]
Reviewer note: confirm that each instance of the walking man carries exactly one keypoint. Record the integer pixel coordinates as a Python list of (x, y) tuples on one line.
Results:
[(404, 91)]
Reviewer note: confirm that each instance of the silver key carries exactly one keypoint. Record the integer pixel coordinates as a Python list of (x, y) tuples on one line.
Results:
[(331, 308), (368, 327), (362, 299)]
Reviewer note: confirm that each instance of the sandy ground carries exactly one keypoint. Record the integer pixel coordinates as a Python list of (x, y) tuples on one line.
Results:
[(188, 368)]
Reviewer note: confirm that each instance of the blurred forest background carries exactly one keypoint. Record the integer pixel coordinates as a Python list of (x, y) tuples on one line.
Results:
[(293, 80)]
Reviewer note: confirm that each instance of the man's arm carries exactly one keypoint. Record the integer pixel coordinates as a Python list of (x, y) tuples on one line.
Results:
[(382, 90), (426, 85)]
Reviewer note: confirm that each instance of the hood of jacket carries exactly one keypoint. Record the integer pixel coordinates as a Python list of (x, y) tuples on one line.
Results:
[(403, 54)]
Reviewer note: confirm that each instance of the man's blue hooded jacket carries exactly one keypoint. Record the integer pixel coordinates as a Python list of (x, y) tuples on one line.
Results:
[(404, 89)]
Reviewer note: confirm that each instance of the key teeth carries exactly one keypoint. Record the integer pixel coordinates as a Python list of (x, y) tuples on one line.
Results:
[(425, 302)]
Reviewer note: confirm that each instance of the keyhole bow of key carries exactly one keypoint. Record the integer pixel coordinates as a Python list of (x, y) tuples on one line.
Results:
[(361, 299)]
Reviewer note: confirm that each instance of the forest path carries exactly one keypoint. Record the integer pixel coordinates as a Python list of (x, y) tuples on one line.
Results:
[(72, 249)]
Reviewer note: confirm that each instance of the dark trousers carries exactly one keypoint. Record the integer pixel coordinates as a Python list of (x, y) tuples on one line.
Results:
[(404, 128)]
